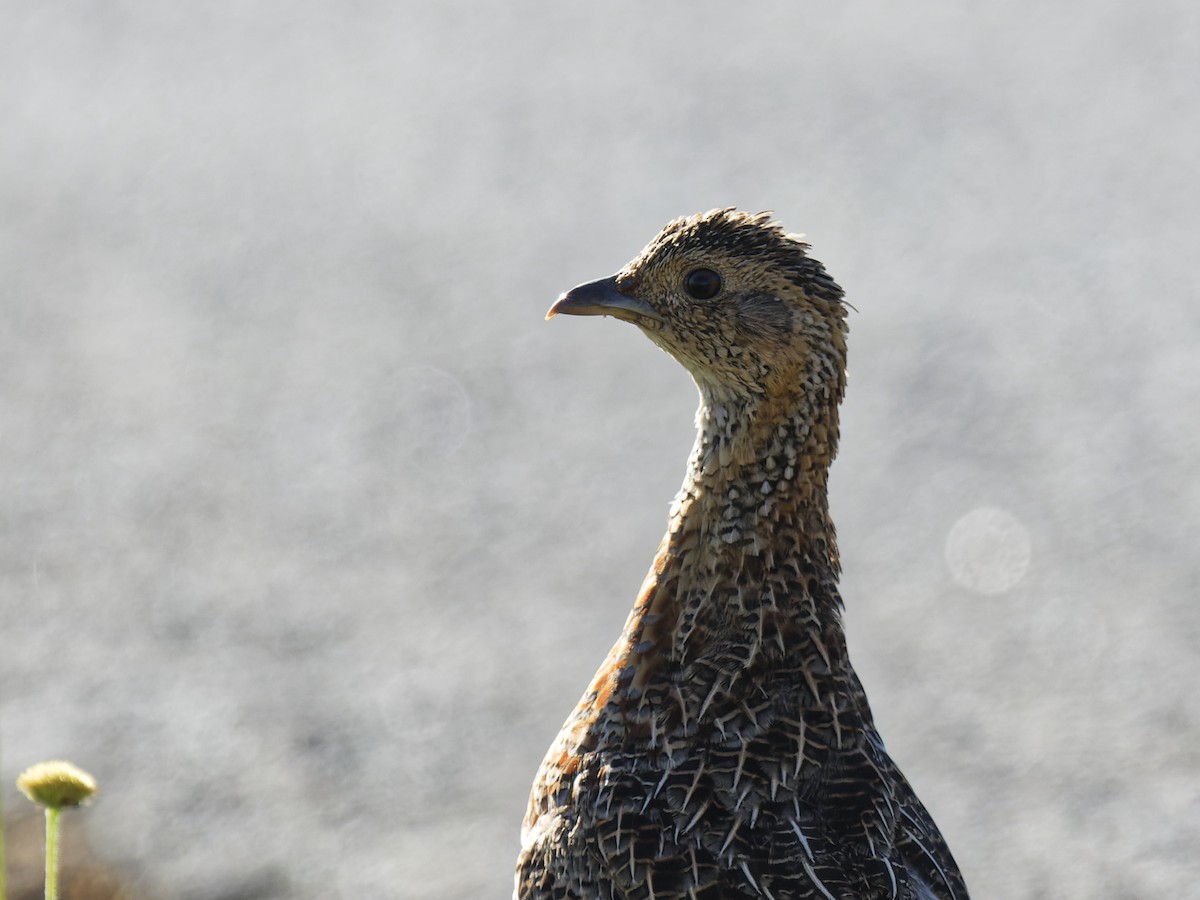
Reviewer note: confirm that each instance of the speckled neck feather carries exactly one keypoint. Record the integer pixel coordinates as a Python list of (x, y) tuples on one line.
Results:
[(746, 576)]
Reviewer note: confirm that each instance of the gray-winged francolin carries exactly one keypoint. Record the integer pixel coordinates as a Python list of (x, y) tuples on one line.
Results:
[(725, 748)]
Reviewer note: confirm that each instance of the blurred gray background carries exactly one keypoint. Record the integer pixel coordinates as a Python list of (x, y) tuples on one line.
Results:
[(313, 531)]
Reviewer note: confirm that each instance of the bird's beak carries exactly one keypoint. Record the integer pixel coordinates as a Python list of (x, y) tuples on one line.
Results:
[(602, 298)]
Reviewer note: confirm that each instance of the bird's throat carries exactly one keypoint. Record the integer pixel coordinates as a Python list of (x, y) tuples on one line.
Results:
[(747, 572), (759, 471)]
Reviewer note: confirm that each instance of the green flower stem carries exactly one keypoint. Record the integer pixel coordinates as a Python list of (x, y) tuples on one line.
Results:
[(52, 852), (55, 784), (3, 862)]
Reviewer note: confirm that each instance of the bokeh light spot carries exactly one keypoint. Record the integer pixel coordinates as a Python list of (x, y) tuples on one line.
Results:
[(988, 550), (431, 411)]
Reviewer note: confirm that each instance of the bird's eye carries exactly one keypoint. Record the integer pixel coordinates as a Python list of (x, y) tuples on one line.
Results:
[(702, 284)]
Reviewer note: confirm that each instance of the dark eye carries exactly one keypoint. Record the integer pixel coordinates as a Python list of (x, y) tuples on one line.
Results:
[(702, 284)]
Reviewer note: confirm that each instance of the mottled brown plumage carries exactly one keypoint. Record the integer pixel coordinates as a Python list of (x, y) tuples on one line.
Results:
[(725, 748)]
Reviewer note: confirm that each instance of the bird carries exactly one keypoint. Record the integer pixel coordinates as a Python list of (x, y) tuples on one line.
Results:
[(725, 747)]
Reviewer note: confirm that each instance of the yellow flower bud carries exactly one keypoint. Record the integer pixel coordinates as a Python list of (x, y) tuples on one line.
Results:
[(56, 784)]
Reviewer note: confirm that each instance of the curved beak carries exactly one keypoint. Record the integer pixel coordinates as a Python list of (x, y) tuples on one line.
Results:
[(602, 298)]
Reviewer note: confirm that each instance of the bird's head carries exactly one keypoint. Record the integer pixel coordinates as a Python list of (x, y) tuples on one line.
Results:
[(736, 301)]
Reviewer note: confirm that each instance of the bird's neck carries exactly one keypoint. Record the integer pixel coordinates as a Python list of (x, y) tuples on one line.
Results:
[(748, 569), (757, 479)]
